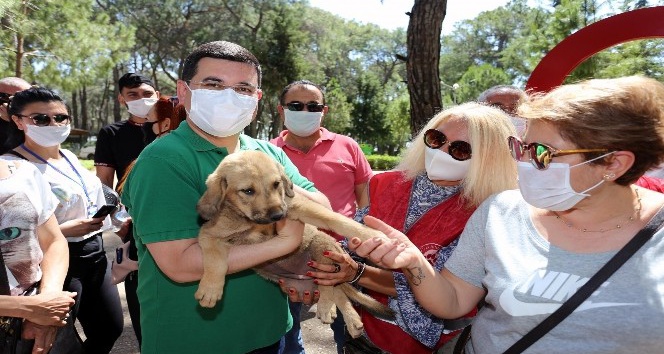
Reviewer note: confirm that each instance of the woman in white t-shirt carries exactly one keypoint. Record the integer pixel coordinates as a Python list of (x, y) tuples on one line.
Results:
[(581, 200), (41, 116), (33, 250)]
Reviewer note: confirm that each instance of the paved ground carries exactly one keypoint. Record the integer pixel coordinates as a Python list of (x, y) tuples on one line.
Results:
[(317, 337)]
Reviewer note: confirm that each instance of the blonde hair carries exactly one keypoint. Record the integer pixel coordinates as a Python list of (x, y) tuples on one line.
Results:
[(623, 114), (492, 168)]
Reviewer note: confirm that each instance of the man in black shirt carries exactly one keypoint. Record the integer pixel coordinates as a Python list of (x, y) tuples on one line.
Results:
[(119, 143), (8, 87)]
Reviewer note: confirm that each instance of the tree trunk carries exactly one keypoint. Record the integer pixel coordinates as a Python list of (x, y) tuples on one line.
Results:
[(423, 76), (74, 111), (84, 106), (20, 51), (117, 116)]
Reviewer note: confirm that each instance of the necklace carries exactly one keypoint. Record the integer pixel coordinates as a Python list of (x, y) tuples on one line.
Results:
[(634, 216)]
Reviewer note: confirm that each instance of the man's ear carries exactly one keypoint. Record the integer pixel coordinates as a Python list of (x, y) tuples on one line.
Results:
[(259, 92), (280, 109), (121, 100), (158, 94)]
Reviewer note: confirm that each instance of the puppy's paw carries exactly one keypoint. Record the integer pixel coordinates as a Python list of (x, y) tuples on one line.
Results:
[(355, 328), (208, 296), (326, 312)]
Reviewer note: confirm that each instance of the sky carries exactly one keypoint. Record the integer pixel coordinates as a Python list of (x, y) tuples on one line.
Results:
[(390, 14)]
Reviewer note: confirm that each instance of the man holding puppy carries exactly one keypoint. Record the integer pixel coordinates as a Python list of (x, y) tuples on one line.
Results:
[(220, 89)]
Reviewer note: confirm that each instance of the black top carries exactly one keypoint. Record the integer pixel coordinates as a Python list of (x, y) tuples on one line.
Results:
[(118, 144)]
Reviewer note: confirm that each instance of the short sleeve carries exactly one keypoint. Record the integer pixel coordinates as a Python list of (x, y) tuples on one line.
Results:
[(467, 260), (362, 168), (103, 149), (161, 197), (48, 200)]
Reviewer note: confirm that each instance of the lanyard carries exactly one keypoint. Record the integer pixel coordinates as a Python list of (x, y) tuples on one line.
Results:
[(80, 178)]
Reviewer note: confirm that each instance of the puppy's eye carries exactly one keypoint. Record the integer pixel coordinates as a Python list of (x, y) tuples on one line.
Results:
[(276, 184), (248, 191)]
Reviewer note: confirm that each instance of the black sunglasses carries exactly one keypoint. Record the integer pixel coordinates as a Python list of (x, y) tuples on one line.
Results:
[(42, 120), (5, 98), (459, 150), (540, 154), (311, 106)]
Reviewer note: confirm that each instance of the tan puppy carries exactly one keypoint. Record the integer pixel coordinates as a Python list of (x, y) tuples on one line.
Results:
[(246, 194)]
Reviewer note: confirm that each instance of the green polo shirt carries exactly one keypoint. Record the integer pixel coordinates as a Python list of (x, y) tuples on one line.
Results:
[(161, 194)]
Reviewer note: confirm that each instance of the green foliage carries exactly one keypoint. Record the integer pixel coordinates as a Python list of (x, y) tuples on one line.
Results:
[(382, 162)]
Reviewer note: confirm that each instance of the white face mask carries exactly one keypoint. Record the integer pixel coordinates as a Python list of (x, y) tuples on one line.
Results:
[(50, 135), (221, 113), (302, 123), (141, 107), (550, 189), (441, 166)]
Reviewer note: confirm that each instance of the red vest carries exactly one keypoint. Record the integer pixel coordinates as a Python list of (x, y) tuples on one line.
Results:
[(389, 195)]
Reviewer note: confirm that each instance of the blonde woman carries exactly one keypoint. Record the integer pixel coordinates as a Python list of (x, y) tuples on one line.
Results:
[(458, 159)]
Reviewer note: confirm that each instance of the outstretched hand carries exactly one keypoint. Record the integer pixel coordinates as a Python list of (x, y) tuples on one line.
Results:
[(394, 251)]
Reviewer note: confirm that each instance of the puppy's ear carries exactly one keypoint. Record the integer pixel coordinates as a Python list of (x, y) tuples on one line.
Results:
[(210, 203), (288, 184)]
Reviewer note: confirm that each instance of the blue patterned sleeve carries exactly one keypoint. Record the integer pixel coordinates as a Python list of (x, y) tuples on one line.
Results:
[(410, 316)]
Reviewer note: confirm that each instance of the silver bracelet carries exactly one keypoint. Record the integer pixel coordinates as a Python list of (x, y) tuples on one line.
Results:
[(360, 270)]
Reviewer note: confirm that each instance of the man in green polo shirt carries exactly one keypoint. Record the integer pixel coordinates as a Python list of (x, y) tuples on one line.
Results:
[(220, 88)]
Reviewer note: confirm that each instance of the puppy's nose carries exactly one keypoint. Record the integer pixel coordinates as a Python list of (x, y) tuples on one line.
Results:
[(276, 216)]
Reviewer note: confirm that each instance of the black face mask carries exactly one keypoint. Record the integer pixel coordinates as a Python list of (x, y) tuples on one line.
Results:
[(148, 133)]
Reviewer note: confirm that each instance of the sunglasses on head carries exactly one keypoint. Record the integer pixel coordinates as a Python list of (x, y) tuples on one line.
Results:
[(311, 106), (459, 150), (42, 120), (5, 98), (541, 154)]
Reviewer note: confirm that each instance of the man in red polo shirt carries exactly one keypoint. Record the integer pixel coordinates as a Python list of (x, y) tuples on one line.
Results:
[(334, 162)]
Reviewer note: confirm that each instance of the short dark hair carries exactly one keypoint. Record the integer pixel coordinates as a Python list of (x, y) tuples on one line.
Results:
[(133, 80), (219, 50), (484, 96), (288, 87)]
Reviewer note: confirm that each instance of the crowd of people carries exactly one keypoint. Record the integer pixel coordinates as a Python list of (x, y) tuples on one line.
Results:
[(498, 220)]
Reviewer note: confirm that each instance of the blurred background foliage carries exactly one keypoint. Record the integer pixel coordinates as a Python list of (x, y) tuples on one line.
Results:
[(81, 47)]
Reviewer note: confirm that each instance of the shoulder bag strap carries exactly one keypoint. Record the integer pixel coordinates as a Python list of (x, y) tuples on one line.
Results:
[(589, 287)]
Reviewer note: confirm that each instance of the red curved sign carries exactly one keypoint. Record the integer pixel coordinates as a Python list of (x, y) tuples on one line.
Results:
[(573, 50)]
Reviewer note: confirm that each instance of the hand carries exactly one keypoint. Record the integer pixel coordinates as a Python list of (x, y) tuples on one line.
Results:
[(393, 252), (80, 227), (124, 229), (290, 234), (307, 296), (44, 336), (49, 309), (327, 273)]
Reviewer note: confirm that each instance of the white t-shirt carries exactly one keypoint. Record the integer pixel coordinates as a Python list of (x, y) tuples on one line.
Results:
[(527, 278), (26, 202), (73, 202)]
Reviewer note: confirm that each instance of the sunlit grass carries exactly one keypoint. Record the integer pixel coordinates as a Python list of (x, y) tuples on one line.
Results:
[(89, 164)]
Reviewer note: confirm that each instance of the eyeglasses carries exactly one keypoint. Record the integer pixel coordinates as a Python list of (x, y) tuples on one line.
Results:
[(5, 98), (42, 120), (459, 150), (311, 106), (541, 154), (242, 89)]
